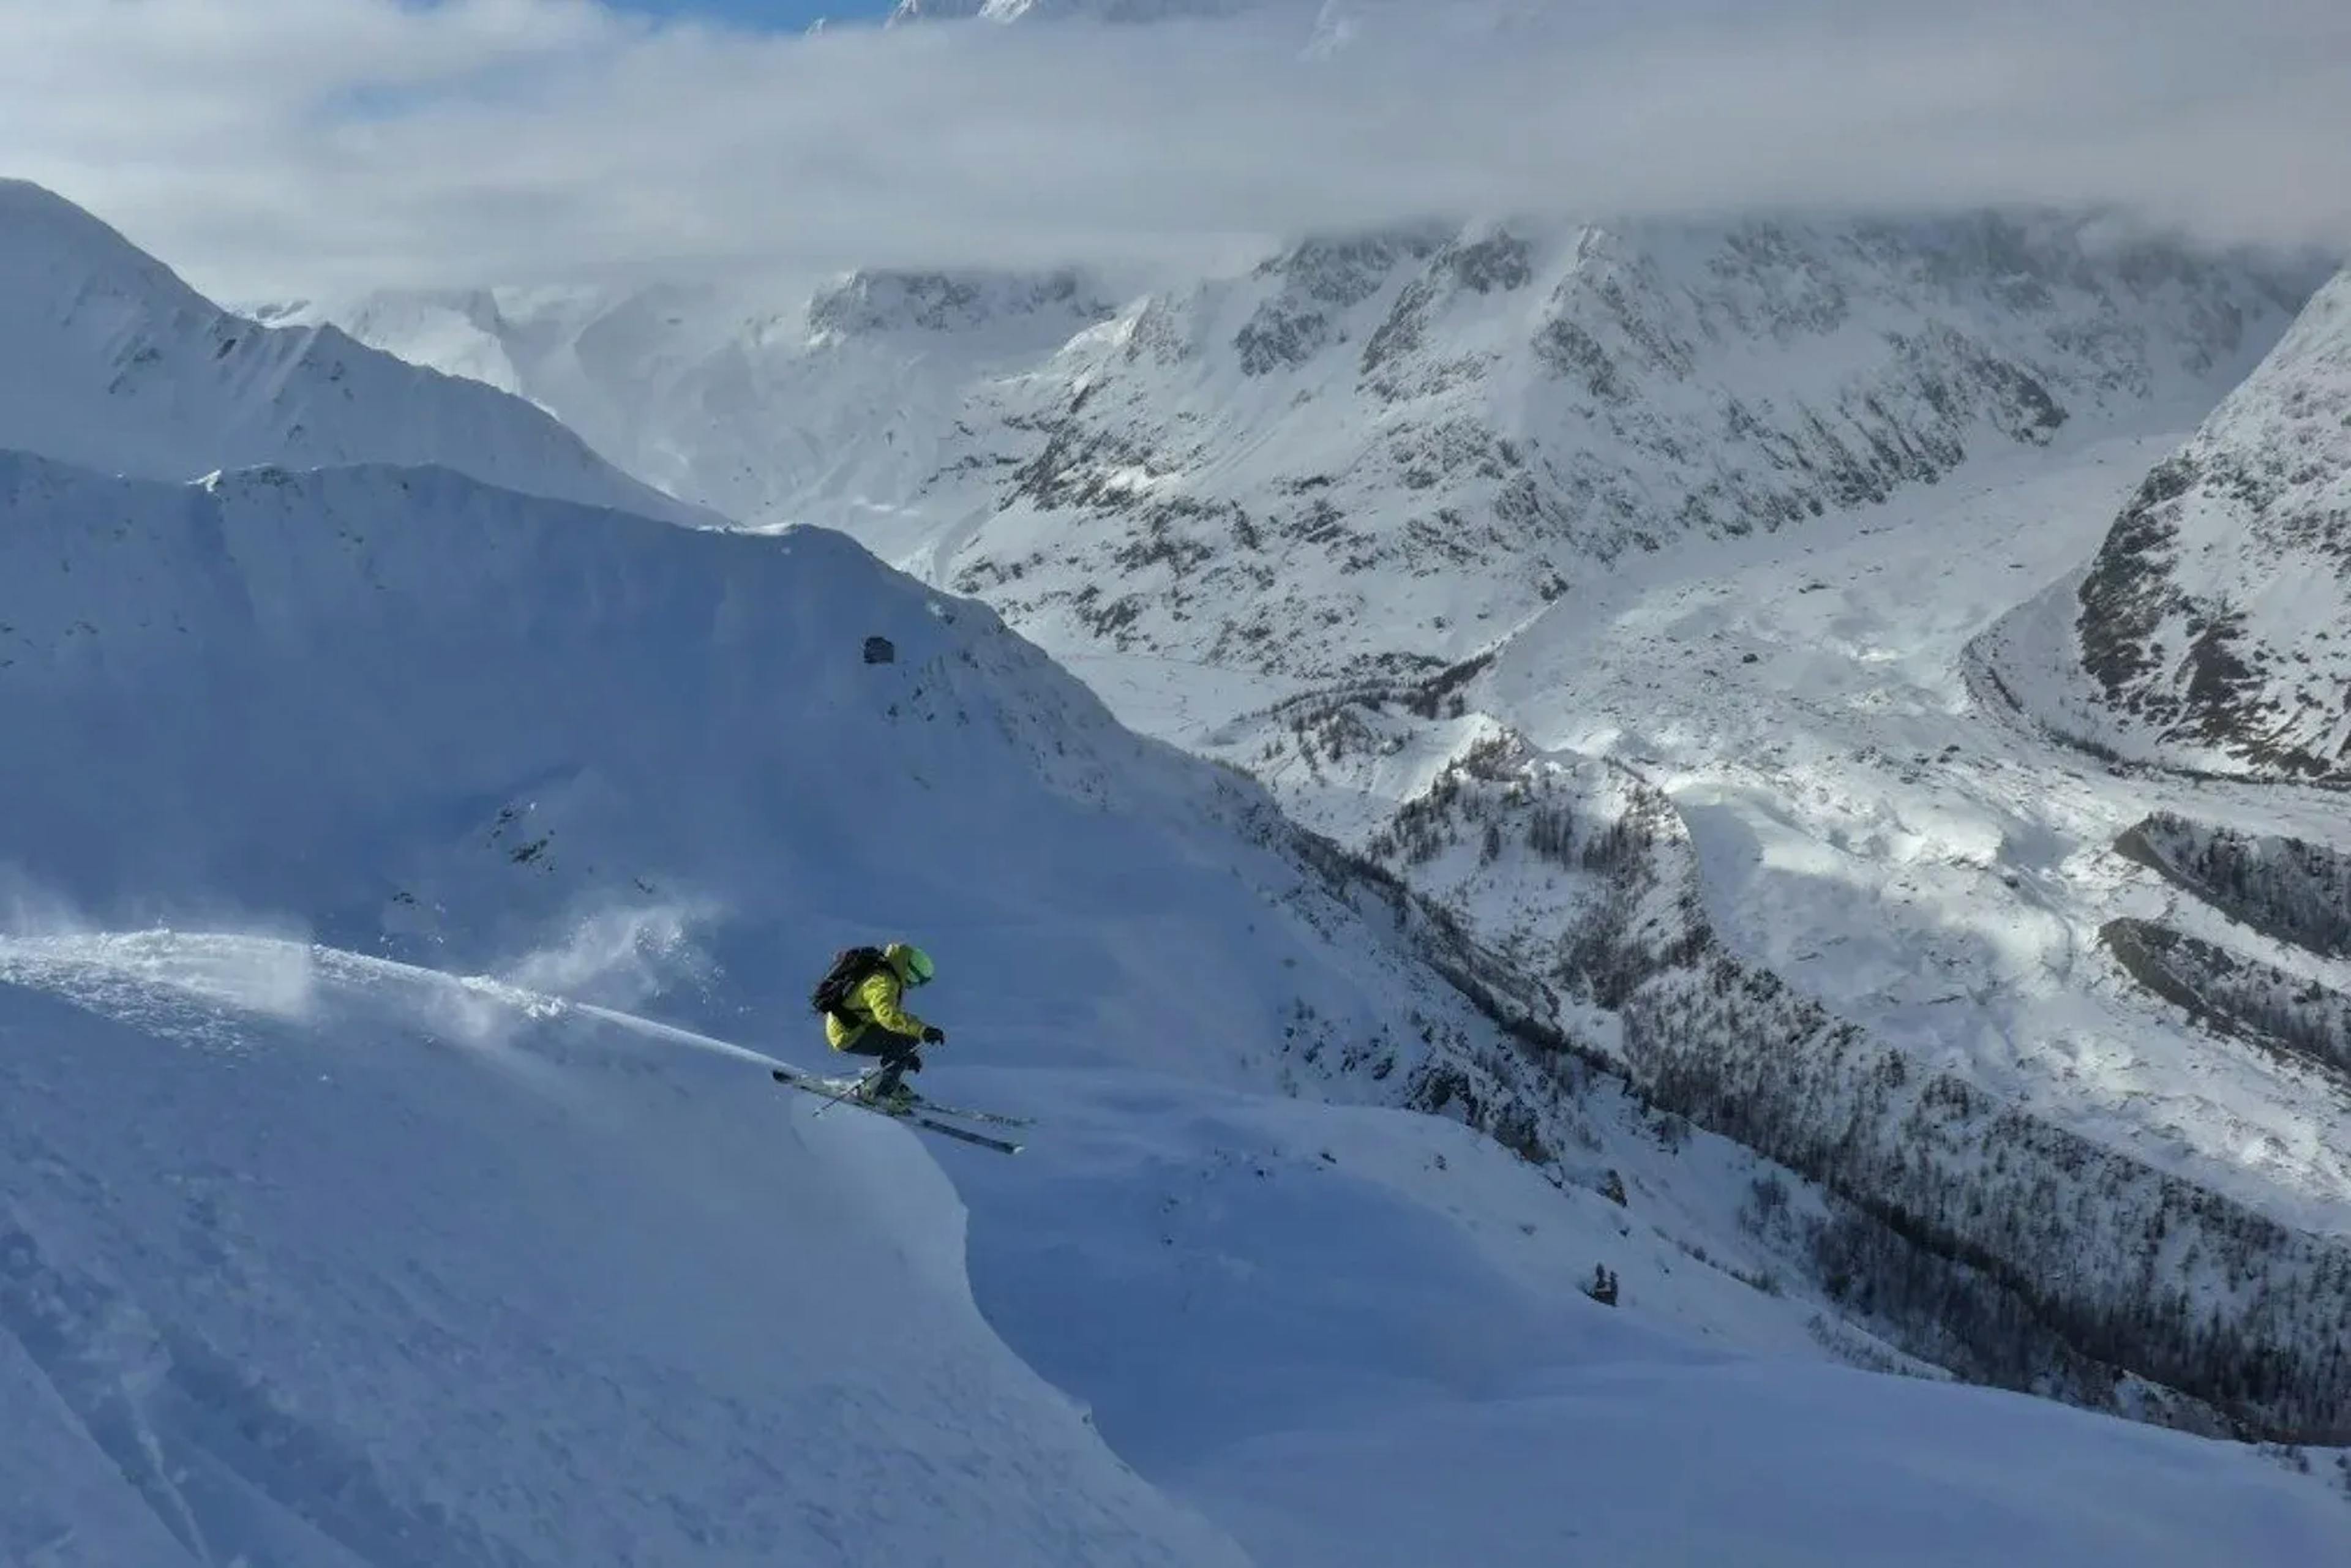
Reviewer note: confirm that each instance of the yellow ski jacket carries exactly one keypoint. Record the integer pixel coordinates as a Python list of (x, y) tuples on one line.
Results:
[(875, 1000)]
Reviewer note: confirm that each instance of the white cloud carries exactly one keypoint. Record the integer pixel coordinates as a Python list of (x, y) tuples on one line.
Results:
[(269, 146)]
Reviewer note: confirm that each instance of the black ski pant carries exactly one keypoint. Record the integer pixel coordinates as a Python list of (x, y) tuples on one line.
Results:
[(897, 1052)]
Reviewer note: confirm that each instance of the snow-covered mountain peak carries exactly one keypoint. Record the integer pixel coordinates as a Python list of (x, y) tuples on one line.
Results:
[(125, 368), (469, 707), (1382, 446), (50, 249), (458, 331)]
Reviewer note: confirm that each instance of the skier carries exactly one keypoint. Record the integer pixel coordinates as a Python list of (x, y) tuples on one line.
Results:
[(869, 1019)]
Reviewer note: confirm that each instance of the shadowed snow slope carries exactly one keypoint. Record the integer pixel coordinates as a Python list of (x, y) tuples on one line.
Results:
[(115, 363), (426, 717)]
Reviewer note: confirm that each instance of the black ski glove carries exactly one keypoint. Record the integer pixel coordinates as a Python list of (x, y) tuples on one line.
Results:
[(934, 1035)]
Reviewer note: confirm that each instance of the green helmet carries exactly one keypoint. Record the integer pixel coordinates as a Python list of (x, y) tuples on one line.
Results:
[(913, 964)]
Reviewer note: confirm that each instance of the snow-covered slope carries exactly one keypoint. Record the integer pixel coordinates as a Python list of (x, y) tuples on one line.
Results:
[(297, 1241), (316, 1261), (418, 716), (2213, 630), (115, 364), (633, 763), (416, 711)]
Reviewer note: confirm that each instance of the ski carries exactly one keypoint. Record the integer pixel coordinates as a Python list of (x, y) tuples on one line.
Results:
[(924, 1102), (833, 1091), (994, 1118), (948, 1129)]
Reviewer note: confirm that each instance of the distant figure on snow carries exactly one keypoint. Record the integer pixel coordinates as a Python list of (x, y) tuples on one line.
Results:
[(862, 999)]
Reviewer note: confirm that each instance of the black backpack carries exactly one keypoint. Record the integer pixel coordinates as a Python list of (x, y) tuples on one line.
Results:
[(851, 967)]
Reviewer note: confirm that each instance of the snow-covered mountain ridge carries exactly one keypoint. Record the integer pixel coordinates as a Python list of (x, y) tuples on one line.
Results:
[(2088, 1257), (1395, 449), (119, 365), (2213, 630), (1389, 449), (770, 411)]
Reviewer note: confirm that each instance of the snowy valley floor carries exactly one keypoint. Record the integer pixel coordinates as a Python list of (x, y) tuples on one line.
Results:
[(307, 1258)]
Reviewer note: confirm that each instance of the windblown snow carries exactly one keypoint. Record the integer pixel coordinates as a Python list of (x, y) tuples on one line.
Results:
[(412, 871)]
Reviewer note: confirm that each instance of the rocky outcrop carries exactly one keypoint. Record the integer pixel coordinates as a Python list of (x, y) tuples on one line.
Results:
[(2216, 619)]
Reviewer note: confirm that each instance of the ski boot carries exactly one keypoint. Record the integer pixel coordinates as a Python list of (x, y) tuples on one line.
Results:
[(888, 1092)]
